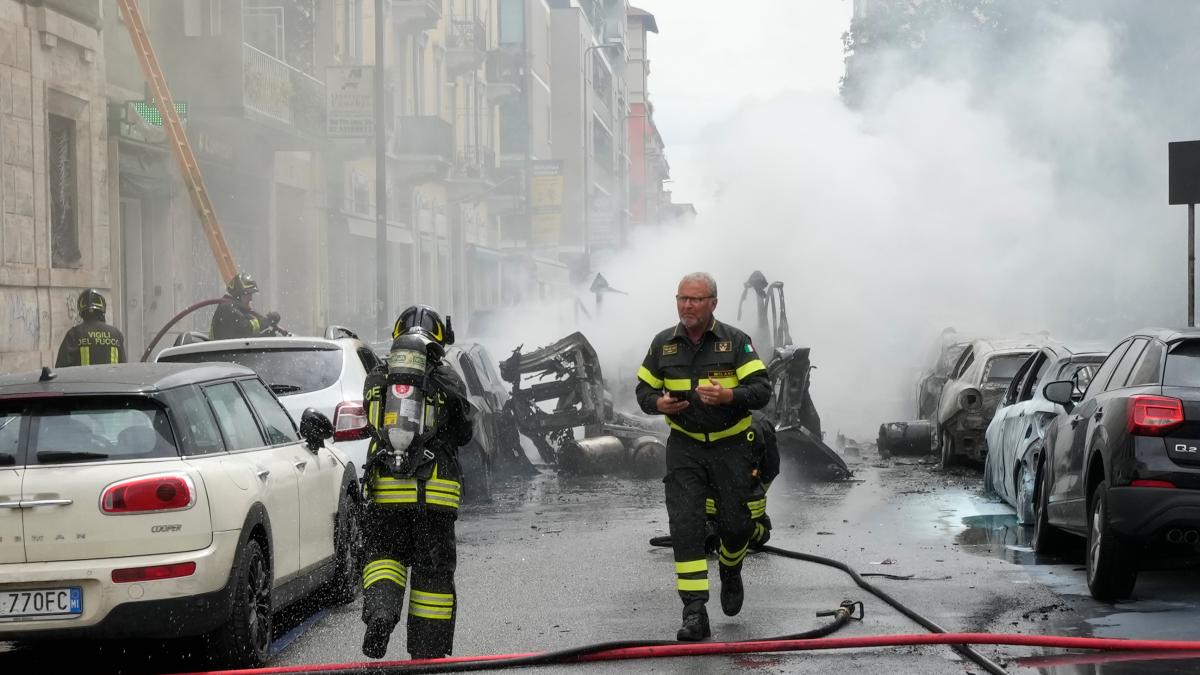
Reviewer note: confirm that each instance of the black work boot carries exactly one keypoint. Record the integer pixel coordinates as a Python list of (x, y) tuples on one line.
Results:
[(731, 591), (375, 640), (695, 624)]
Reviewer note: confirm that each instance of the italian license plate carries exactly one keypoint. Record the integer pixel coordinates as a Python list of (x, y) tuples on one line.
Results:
[(41, 602)]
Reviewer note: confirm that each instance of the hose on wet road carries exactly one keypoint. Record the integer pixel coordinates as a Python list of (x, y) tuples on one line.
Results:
[(813, 640)]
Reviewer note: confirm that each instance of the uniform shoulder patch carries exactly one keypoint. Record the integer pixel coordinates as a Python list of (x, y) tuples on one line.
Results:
[(670, 348), (724, 346), (748, 348)]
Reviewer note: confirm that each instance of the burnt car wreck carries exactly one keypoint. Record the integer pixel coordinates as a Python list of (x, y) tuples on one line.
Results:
[(791, 412), (566, 377)]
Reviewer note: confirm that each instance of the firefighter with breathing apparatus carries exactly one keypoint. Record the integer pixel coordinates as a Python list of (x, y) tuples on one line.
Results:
[(419, 416)]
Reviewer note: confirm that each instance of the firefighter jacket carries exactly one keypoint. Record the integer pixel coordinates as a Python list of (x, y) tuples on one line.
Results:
[(91, 343), (725, 355), (232, 321), (436, 483)]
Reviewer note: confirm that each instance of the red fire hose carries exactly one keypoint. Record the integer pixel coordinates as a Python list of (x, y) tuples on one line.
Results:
[(461, 663)]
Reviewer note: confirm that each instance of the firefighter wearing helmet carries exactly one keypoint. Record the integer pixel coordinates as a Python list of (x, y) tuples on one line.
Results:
[(92, 342), (419, 416), (234, 317)]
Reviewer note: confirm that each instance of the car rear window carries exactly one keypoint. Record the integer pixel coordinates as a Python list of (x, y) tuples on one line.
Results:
[(286, 371), (71, 429), (1183, 365), (1002, 369)]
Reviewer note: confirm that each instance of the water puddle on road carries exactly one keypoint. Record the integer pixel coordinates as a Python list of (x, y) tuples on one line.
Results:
[(1000, 536)]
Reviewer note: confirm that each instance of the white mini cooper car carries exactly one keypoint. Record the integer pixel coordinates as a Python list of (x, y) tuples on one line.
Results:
[(166, 500)]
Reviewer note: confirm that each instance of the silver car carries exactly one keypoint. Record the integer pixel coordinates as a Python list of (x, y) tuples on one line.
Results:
[(304, 372), (1022, 418)]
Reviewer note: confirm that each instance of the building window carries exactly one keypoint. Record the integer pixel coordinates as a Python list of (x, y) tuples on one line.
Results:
[(64, 192), (360, 193)]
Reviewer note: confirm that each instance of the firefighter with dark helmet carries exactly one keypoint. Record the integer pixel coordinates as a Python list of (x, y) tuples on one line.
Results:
[(234, 317), (92, 342), (419, 416)]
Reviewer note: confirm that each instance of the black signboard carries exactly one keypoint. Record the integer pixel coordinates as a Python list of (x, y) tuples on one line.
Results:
[(1184, 176)]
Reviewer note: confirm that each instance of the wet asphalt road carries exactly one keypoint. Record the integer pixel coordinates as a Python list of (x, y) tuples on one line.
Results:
[(554, 562)]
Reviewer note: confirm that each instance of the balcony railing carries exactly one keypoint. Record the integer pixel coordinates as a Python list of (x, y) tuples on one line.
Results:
[(505, 73), (416, 14), (475, 162), (424, 137), (277, 90), (466, 44)]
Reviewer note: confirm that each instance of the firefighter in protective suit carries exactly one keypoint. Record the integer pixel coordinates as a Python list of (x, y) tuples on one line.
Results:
[(92, 342), (420, 416), (234, 318), (706, 378)]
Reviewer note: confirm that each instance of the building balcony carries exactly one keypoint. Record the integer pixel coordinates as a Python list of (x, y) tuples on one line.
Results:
[(474, 165), (505, 73), (416, 15), (281, 93), (422, 146), (466, 45)]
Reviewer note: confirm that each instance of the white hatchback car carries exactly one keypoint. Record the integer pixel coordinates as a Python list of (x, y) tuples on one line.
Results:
[(164, 501), (326, 374)]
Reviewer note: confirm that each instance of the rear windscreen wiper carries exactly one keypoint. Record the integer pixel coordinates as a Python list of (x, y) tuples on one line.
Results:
[(48, 456), (285, 388)]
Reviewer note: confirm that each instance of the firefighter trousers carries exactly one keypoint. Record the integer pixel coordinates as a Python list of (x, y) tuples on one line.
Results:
[(414, 547), (724, 471)]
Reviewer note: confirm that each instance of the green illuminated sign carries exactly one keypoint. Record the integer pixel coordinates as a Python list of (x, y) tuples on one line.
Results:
[(149, 112)]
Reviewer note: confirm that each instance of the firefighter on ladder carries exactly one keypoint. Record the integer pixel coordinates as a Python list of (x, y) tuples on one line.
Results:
[(420, 416), (706, 378)]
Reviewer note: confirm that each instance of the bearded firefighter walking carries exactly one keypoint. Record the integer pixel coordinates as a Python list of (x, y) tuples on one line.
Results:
[(420, 416), (706, 378)]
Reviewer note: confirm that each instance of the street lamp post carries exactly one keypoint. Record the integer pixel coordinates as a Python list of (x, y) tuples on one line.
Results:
[(587, 187)]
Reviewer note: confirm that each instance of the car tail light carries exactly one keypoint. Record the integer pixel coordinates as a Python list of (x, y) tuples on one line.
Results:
[(349, 421), (1154, 415), (160, 492), (1152, 483), (970, 399), (155, 573)]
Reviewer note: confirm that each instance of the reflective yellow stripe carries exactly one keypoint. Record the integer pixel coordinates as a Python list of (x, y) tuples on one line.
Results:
[(444, 485), (715, 435), (727, 382), (373, 415), (691, 584), (386, 483), (732, 559), (85, 356), (436, 614), (442, 501), (691, 566), (434, 599), (749, 368), (731, 431), (383, 575), (677, 385), (441, 497), (383, 563), (648, 377), (757, 507), (390, 498), (710, 507), (112, 355)]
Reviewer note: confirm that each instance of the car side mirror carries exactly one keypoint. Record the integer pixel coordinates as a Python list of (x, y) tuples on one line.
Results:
[(1061, 392), (315, 428)]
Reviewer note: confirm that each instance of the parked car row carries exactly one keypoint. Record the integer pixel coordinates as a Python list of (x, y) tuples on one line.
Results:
[(1105, 447)]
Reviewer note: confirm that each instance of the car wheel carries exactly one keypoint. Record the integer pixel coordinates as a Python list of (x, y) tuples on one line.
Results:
[(947, 447), (1112, 567), (1047, 539), (348, 546), (245, 640), (1025, 488)]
